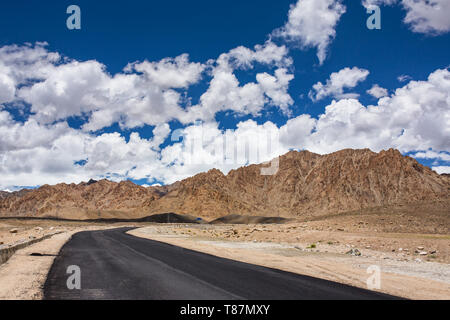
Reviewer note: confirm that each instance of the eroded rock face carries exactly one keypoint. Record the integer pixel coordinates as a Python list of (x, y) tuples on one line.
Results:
[(306, 184)]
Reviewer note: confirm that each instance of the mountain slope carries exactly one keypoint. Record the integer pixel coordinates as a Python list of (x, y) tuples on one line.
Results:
[(306, 184)]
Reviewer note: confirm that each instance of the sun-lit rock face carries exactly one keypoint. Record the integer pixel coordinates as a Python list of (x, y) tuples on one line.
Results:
[(306, 184)]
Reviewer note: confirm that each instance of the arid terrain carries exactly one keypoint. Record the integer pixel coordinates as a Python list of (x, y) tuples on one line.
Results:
[(307, 185), (413, 255), (327, 216)]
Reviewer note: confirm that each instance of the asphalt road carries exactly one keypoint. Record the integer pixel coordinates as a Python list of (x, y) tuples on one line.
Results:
[(115, 265)]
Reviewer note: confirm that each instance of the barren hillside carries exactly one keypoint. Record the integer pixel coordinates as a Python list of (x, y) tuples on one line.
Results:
[(306, 185)]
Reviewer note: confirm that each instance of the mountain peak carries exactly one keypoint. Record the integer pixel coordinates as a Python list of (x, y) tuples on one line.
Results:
[(306, 184)]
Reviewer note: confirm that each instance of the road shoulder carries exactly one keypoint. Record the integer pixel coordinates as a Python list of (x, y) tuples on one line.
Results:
[(22, 277)]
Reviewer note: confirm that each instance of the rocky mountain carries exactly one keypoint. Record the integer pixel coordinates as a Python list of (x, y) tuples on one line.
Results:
[(306, 184)]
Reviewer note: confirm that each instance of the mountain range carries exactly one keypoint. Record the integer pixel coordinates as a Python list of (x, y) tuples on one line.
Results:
[(305, 185)]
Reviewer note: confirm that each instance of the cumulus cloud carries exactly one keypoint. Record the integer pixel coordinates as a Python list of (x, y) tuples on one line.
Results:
[(430, 154), (226, 93), (169, 72), (242, 57), (427, 16), (369, 3), (21, 64), (377, 92), (146, 93), (346, 78), (44, 149), (415, 117), (442, 169), (423, 16), (312, 24)]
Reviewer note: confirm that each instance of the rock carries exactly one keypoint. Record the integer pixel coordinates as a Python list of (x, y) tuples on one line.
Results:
[(417, 260), (368, 247), (350, 178), (423, 253), (420, 248), (38, 228), (14, 230), (400, 249), (51, 228), (433, 252), (354, 252)]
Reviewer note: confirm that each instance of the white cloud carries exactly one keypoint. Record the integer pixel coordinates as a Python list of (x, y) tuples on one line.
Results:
[(404, 77), (429, 154), (226, 93), (7, 87), (312, 23), (269, 53), (70, 89), (169, 72), (346, 78), (146, 93), (276, 87), (427, 16), (377, 91), (44, 149), (27, 135), (20, 64), (369, 3), (442, 169), (423, 16), (415, 117)]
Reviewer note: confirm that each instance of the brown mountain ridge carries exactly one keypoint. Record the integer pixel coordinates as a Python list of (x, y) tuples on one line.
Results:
[(306, 185)]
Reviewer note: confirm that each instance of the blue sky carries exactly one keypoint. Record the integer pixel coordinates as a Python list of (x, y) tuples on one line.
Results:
[(282, 86)]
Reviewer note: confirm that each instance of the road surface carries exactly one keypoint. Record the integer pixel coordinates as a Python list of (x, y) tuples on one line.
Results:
[(115, 265)]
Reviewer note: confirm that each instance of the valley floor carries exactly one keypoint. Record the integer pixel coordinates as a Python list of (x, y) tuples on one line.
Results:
[(297, 248), (315, 248)]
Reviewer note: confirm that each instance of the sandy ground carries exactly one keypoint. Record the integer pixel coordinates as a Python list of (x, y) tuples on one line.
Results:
[(316, 248), (23, 276), (300, 248)]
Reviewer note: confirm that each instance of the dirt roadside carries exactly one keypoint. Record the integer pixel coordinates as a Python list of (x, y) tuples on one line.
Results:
[(23, 276), (400, 275), (287, 247)]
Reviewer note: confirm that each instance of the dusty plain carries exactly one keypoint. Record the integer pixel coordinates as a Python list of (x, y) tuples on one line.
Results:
[(412, 253)]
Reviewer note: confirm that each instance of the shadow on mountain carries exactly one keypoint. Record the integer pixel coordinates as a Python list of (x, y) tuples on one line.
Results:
[(156, 218)]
